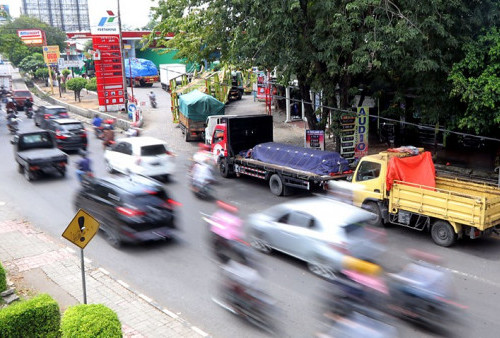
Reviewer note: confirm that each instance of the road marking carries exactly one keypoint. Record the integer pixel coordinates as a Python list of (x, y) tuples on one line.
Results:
[(146, 298), (201, 332), (171, 314), (468, 275), (123, 283)]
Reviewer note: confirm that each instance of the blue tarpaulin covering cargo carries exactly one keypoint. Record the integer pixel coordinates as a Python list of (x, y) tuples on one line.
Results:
[(311, 160), (197, 106), (140, 67)]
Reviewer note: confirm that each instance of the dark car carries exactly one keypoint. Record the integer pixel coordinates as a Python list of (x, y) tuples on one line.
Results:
[(19, 96), (49, 112), (70, 134), (129, 209)]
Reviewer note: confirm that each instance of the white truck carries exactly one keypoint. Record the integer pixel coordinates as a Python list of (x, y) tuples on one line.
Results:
[(5, 77), (170, 71)]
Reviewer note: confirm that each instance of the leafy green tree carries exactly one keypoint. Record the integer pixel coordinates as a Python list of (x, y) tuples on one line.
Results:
[(391, 49), (32, 62), (476, 82), (76, 84), (54, 35), (13, 48), (66, 72)]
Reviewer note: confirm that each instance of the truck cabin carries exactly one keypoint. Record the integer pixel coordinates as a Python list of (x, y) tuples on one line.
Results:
[(33, 140), (241, 133)]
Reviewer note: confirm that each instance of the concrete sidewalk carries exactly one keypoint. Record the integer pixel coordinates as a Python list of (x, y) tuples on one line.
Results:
[(34, 261)]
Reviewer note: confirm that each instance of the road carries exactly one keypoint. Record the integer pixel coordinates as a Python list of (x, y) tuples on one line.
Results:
[(182, 276)]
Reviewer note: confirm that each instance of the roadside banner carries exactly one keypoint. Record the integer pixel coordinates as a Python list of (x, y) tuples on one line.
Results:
[(361, 132), (31, 37), (51, 55)]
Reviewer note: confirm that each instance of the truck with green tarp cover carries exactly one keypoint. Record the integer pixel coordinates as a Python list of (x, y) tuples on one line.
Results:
[(194, 108)]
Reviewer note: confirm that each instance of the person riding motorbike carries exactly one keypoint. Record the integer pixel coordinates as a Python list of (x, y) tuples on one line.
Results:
[(28, 108), (202, 178), (226, 233), (12, 120), (83, 166), (108, 136), (152, 99), (11, 105), (97, 125)]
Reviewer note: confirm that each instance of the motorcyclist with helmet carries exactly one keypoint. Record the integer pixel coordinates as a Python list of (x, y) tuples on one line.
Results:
[(28, 107)]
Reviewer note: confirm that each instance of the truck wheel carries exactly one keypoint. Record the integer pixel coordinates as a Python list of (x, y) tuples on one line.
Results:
[(276, 185), (224, 168), (28, 174), (443, 233), (186, 136), (373, 207)]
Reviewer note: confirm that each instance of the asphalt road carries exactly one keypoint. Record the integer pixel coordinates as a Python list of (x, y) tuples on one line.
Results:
[(181, 275)]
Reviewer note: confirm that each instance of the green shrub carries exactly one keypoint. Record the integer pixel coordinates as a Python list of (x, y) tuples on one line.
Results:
[(3, 279), (36, 317), (76, 84), (66, 72), (92, 84), (42, 73), (92, 320)]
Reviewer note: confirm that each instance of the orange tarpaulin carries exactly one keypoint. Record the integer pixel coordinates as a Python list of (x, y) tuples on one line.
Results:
[(415, 169)]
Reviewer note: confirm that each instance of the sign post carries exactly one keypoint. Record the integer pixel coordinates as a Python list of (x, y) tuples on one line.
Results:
[(80, 231), (51, 57)]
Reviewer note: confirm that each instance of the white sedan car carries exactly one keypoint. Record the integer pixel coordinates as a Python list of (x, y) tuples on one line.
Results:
[(146, 156), (318, 230)]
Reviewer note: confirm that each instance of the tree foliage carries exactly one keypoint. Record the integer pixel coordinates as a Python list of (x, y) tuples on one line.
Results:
[(76, 84), (54, 35), (476, 81), (400, 51), (32, 62), (13, 48), (42, 73)]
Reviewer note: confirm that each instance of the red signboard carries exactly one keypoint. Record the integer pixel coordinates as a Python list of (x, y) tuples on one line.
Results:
[(109, 72)]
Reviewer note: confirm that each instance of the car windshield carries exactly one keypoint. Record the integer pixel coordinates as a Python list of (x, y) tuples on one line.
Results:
[(153, 150), (71, 127)]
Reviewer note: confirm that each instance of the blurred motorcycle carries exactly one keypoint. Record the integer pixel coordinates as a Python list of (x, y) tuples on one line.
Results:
[(243, 295)]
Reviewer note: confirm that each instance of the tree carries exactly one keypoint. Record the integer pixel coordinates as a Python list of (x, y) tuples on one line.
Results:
[(32, 62), (54, 35), (92, 84), (13, 48), (400, 48), (42, 73), (76, 84), (476, 82)]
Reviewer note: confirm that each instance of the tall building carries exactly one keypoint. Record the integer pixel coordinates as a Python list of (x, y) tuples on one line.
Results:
[(68, 15)]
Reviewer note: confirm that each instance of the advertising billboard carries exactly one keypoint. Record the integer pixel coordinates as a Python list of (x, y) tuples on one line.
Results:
[(51, 55), (4, 12), (361, 134), (32, 37), (109, 72)]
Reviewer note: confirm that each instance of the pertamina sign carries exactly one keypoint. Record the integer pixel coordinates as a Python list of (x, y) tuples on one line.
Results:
[(51, 55), (32, 37), (108, 25)]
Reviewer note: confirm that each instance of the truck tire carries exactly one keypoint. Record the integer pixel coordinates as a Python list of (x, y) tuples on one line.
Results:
[(276, 185), (186, 136), (443, 234), (373, 207), (224, 168)]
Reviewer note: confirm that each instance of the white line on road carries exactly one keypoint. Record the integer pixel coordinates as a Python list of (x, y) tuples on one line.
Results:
[(468, 275)]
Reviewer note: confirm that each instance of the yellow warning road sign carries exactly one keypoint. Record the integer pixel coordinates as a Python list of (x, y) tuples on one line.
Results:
[(81, 229)]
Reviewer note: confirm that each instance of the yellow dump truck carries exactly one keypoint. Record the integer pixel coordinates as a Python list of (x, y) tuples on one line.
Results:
[(449, 208)]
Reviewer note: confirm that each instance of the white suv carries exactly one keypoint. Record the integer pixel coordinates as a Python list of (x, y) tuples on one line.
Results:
[(145, 156)]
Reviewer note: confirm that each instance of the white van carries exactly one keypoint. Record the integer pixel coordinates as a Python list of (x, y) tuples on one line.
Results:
[(210, 124)]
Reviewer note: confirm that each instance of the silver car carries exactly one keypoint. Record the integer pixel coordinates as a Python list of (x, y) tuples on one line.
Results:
[(317, 230)]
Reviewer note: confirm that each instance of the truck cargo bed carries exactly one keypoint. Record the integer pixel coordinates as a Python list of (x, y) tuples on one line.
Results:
[(463, 202), (305, 175)]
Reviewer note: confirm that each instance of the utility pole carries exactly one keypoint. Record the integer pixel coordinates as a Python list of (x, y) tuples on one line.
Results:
[(122, 56)]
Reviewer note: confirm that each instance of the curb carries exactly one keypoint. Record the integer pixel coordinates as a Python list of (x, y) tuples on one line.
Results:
[(151, 302), (87, 113)]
